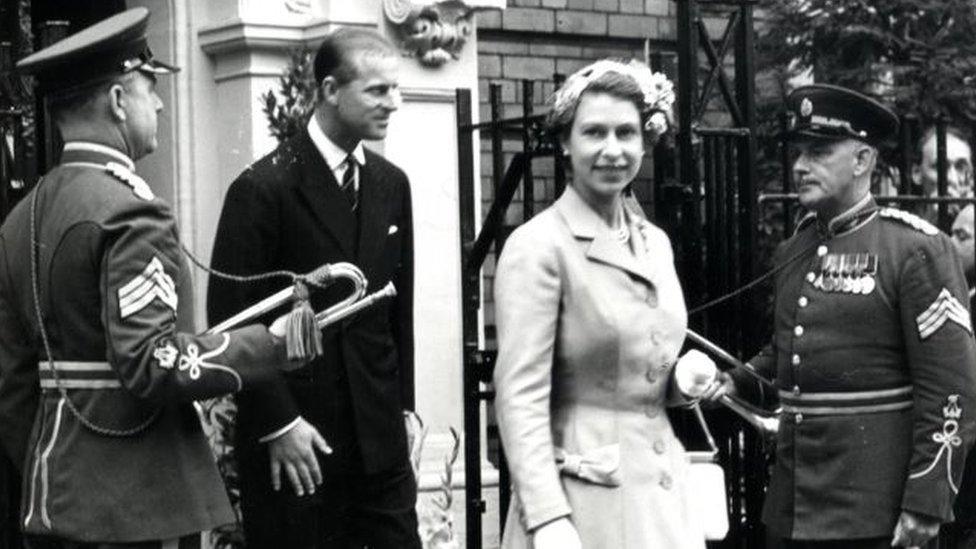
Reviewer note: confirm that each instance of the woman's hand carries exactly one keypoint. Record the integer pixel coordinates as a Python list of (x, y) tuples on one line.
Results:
[(558, 534), (695, 374)]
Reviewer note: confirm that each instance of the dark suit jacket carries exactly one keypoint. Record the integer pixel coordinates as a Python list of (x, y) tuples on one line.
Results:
[(286, 212)]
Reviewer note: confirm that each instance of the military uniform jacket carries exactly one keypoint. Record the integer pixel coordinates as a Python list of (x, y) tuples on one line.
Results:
[(115, 296), (873, 354)]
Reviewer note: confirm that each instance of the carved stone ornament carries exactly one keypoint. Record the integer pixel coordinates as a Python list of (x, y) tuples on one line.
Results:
[(434, 31)]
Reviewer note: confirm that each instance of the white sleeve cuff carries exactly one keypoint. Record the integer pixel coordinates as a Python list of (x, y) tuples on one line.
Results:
[(271, 436)]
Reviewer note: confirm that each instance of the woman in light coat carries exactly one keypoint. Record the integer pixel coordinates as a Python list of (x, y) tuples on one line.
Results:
[(590, 322)]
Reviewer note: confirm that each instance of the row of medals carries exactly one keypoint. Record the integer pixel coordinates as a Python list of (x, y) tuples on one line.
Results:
[(847, 273)]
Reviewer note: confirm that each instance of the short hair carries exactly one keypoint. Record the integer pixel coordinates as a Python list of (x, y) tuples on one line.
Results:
[(930, 133), (63, 103), (622, 86), (335, 55)]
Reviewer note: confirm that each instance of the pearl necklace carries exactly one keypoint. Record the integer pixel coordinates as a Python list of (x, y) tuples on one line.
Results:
[(622, 234)]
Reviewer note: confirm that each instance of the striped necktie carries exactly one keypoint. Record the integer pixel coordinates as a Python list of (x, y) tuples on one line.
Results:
[(348, 185)]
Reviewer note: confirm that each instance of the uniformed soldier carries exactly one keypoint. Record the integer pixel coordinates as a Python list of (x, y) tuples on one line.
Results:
[(872, 350), (96, 400)]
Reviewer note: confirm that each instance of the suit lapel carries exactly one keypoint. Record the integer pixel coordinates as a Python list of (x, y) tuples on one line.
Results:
[(374, 206), (320, 190), (585, 224)]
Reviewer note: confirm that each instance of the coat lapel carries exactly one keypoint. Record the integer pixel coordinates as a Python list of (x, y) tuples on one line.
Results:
[(585, 224), (374, 206), (320, 190)]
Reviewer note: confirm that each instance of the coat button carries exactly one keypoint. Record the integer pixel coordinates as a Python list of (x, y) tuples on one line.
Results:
[(821, 250), (652, 411), (659, 447), (798, 418), (665, 481), (803, 301), (795, 360), (811, 277), (798, 331)]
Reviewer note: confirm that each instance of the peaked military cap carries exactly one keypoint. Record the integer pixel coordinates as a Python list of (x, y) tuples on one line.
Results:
[(107, 49), (833, 112)]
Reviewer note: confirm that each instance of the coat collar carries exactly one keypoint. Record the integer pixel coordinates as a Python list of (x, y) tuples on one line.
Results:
[(86, 152), (848, 221), (319, 188), (374, 208), (585, 224)]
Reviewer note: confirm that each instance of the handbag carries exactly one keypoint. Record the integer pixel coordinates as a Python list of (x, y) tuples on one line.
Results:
[(706, 483)]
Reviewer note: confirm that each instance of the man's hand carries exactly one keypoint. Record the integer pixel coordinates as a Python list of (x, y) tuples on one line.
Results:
[(914, 530), (294, 452), (558, 534)]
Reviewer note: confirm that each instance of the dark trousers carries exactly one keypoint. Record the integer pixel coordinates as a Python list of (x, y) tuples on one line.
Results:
[(351, 509), (44, 542)]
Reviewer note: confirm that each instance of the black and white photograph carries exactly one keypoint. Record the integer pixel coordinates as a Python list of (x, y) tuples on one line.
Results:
[(487, 274)]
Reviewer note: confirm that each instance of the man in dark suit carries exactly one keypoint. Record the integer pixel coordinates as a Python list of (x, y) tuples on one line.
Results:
[(320, 197)]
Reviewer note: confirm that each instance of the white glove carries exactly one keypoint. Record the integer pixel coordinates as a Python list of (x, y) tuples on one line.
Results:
[(277, 327), (694, 373), (558, 534)]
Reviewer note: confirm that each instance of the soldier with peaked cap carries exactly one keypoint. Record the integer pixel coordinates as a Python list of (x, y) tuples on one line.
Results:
[(98, 362), (872, 348)]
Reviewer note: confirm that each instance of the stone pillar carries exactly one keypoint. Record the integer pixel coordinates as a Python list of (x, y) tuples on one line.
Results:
[(231, 52)]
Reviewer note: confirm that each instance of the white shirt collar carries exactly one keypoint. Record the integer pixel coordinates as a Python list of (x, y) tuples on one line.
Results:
[(333, 154)]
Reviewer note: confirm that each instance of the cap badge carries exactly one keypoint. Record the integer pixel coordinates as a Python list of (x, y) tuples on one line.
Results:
[(806, 107)]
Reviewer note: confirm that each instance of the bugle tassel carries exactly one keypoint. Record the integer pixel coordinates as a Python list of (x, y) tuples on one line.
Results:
[(303, 340)]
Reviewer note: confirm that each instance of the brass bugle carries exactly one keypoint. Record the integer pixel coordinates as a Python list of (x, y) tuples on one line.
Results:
[(766, 422), (342, 310), (324, 275)]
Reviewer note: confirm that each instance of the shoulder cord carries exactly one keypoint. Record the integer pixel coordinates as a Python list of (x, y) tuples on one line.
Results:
[(756, 281), (762, 278), (250, 278), (90, 425), (87, 423)]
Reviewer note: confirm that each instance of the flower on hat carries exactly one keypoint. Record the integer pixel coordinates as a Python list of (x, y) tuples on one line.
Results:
[(658, 91)]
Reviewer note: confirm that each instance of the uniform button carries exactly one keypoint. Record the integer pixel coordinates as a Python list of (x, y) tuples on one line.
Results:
[(796, 389), (798, 418), (665, 481), (652, 411), (811, 277), (803, 301), (659, 447), (796, 360), (798, 331), (821, 250), (651, 375)]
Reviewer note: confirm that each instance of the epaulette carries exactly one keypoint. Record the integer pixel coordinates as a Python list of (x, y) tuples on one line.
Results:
[(138, 185), (909, 219), (807, 219)]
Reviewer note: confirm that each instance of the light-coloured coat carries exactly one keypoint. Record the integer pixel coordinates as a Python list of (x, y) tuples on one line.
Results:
[(589, 329)]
